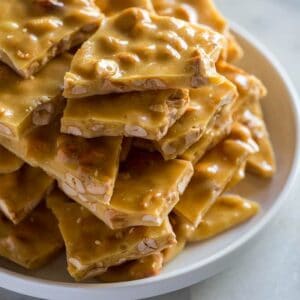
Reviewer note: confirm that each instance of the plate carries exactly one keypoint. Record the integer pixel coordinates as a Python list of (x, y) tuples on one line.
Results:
[(200, 261)]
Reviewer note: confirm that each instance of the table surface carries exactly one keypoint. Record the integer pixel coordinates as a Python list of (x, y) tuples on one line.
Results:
[(270, 269)]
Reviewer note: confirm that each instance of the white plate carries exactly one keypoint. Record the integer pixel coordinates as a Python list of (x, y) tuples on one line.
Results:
[(200, 261)]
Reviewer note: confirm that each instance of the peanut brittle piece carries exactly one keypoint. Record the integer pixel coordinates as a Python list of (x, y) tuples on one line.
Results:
[(33, 32), (92, 247), (137, 269), (183, 230), (9, 162), (138, 114), (239, 175), (138, 51), (39, 146), (201, 12), (216, 131), (88, 166), (249, 87), (146, 190), (262, 163), (172, 252), (21, 191), (205, 103), (214, 172), (249, 112), (26, 104), (193, 11), (234, 51), (32, 243), (111, 7), (227, 212)]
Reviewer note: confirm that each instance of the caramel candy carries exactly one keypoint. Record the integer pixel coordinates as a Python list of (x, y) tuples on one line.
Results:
[(146, 190), (32, 243), (111, 7), (9, 162), (26, 104), (87, 166), (206, 102), (92, 247), (21, 191), (33, 32), (214, 172), (137, 269), (227, 212), (147, 115), (138, 51)]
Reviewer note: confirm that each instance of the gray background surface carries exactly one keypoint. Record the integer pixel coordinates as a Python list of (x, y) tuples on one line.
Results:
[(271, 267)]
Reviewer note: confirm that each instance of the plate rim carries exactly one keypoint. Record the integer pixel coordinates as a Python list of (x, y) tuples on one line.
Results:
[(21, 280)]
